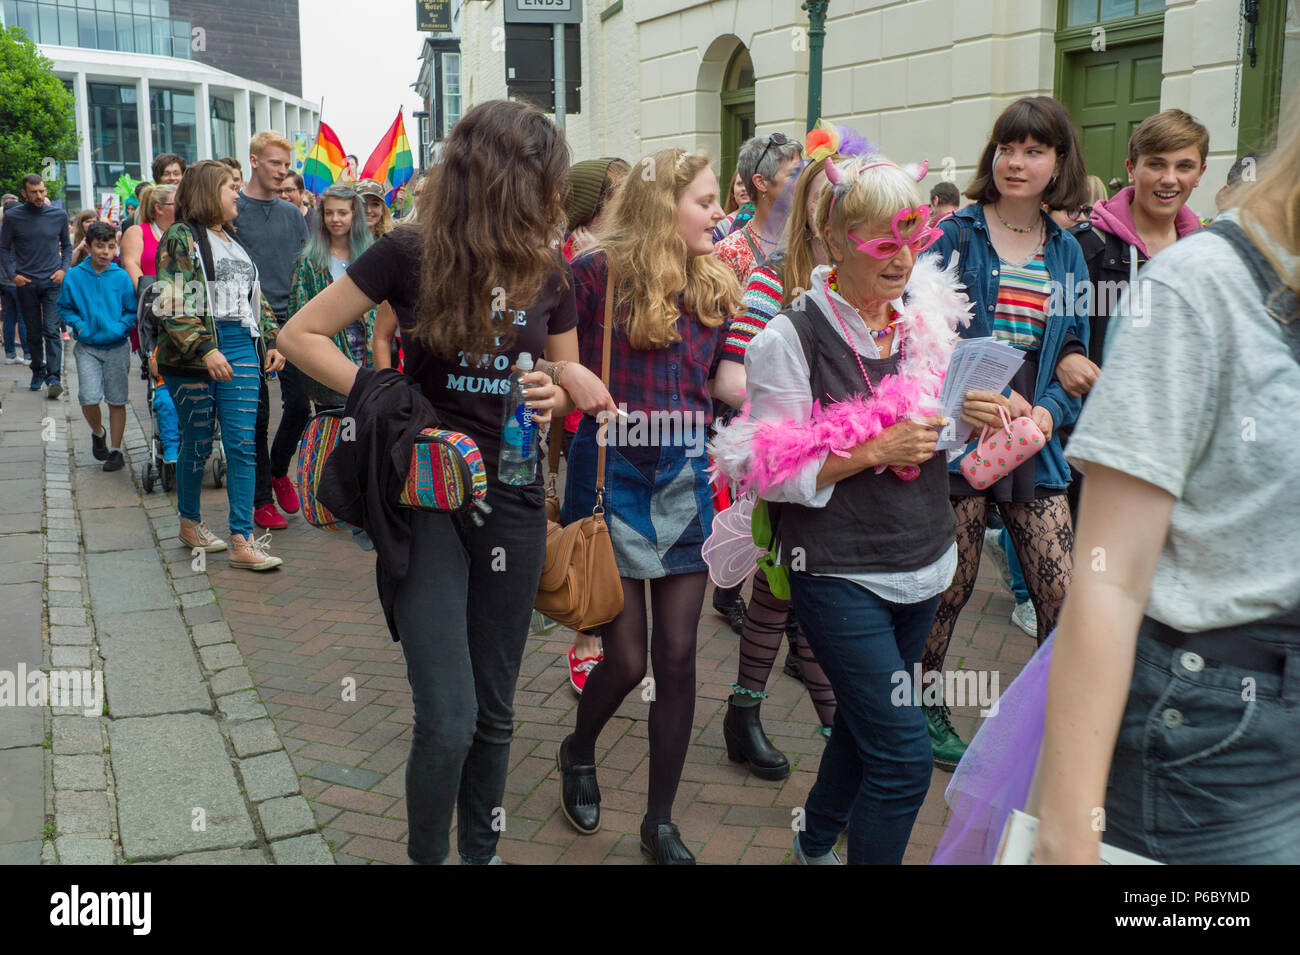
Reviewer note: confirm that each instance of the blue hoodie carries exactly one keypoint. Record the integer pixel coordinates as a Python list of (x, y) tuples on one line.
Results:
[(99, 307)]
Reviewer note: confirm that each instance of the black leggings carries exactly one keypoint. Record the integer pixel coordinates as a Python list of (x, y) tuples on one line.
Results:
[(675, 603), (1043, 536), (296, 410)]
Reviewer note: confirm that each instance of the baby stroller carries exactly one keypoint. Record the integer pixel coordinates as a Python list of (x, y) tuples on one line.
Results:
[(157, 470)]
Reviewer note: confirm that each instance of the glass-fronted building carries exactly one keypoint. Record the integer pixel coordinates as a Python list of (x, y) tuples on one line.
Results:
[(128, 26), (140, 93)]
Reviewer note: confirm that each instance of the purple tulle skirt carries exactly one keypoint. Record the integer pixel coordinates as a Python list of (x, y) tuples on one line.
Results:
[(997, 770)]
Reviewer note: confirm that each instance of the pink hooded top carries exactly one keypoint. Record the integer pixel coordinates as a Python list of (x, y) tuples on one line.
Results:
[(1115, 215)]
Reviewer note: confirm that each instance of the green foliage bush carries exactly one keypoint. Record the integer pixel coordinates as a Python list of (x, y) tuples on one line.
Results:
[(37, 114)]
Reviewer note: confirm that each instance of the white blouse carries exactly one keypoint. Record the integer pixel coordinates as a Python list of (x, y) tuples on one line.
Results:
[(778, 382)]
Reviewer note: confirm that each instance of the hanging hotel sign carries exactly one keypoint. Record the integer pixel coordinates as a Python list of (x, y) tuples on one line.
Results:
[(433, 16)]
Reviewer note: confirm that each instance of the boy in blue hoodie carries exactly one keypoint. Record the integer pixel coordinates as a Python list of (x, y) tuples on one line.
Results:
[(98, 304)]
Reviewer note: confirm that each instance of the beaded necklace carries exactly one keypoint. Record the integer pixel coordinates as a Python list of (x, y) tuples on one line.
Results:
[(832, 286)]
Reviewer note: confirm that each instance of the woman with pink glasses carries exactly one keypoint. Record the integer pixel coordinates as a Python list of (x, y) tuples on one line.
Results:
[(840, 441)]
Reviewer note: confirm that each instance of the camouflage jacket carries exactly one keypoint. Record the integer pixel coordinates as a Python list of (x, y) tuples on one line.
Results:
[(308, 282), (184, 307)]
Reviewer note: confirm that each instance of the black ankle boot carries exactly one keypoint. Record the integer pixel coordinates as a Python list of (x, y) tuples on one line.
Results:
[(728, 603), (579, 794), (663, 844), (746, 743)]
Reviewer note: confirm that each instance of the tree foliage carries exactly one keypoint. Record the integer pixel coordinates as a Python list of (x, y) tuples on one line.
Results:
[(37, 114)]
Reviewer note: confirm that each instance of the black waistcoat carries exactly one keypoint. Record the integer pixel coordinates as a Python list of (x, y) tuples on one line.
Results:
[(873, 522)]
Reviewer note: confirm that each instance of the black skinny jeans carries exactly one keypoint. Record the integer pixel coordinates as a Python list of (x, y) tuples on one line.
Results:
[(462, 614), (296, 409)]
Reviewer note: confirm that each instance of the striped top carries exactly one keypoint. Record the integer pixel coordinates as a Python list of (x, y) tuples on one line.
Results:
[(1021, 312), (762, 300)]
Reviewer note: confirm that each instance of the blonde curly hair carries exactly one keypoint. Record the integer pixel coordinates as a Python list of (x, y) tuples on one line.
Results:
[(656, 278)]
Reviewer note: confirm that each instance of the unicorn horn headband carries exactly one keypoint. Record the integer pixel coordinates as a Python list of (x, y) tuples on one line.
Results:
[(835, 177)]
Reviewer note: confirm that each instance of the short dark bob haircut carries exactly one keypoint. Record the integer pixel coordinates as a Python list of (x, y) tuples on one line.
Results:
[(1047, 121)]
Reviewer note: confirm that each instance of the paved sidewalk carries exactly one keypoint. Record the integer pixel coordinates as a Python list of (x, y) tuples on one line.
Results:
[(231, 696), (167, 755), (313, 631)]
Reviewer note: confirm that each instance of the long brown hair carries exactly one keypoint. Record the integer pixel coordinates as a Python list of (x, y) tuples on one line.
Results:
[(797, 258), (656, 277), (79, 227), (731, 204), (486, 220)]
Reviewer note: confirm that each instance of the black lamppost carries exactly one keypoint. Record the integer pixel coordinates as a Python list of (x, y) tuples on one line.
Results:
[(816, 40)]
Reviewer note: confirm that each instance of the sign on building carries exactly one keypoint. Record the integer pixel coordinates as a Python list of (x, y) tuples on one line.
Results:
[(543, 11), (433, 16), (530, 65)]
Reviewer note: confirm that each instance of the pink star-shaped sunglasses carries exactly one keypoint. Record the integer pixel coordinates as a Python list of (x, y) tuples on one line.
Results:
[(904, 220)]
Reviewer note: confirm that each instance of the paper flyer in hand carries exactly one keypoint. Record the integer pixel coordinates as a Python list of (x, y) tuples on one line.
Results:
[(977, 364)]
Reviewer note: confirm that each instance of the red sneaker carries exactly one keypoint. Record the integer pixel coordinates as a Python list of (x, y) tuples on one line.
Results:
[(285, 495), (579, 670), (267, 516)]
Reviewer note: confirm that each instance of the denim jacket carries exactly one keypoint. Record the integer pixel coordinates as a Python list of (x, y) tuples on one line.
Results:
[(1067, 313)]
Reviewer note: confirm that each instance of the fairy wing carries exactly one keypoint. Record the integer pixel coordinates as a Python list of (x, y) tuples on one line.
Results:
[(730, 551)]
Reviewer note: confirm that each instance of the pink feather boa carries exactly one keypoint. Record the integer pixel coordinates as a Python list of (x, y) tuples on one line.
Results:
[(780, 449), (758, 455)]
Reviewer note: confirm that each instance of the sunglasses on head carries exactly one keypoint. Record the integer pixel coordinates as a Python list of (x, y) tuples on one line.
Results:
[(776, 139), (904, 219)]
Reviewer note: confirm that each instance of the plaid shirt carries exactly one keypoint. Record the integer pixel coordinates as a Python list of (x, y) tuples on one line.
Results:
[(675, 378)]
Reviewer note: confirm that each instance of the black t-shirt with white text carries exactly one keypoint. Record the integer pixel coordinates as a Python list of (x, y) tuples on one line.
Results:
[(468, 396)]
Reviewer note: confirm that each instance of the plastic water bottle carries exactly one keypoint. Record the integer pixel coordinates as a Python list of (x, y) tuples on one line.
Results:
[(518, 461)]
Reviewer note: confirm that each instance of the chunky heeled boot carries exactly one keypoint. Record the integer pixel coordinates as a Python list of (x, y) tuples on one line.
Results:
[(746, 742)]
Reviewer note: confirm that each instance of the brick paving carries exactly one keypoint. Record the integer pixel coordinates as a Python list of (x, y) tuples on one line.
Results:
[(314, 628)]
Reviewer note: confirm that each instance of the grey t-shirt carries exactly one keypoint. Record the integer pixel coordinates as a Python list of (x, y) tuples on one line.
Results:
[(1198, 397), (273, 232)]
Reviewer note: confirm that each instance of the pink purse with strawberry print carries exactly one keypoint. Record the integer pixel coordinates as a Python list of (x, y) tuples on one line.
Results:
[(1000, 452)]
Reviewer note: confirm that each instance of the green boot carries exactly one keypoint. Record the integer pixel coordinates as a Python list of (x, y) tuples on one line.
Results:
[(945, 744)]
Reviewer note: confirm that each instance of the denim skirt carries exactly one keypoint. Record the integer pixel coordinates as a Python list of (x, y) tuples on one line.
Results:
[(658, 502)]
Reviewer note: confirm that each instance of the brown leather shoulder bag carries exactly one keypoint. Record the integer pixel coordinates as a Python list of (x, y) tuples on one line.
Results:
[(580, 585)]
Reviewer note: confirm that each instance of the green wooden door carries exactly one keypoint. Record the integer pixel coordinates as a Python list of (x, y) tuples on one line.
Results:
[(1108, 93), (737, 114), (737, 128)]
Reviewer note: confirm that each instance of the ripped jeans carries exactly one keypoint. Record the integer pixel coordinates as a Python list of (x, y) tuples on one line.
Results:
[(235, 403)]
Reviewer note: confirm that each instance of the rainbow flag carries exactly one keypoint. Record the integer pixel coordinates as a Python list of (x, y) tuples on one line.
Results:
[(324, 162), (391, 163)]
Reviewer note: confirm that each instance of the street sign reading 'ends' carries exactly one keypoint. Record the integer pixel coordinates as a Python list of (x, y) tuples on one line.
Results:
[(433, 16), (543, 11)]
